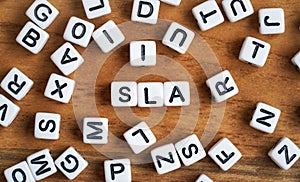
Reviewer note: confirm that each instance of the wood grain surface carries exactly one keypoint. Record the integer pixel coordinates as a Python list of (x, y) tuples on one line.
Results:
[(277, 84)]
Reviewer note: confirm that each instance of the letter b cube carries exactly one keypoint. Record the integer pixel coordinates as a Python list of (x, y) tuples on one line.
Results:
[(32, 37)]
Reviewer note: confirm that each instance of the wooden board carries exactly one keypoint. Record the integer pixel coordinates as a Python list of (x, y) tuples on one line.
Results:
[(277, 84)]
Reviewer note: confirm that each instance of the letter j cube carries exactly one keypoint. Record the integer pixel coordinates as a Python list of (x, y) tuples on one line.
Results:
[(225, 154), (222, 86), (32, 37)]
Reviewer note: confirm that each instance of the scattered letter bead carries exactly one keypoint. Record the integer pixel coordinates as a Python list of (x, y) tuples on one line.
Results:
[(67, 58), (140, 137), (8, 111), (208, 15), (296, 60), (71, 163), (178, 38), (42, 13), (16, 84), (41, 164), (145, 11), (108, 36), (19, 172), (271, 21), (172, 2), (285, 153), (254, 51), (59, 88), (47, 126), (142, 53), (95, 130), (176, 93), (204, 178), (222, 86), (265, 118), (79, 31), (96, 8), (190, 150), (124, 94), (225, 154), (165, 159), (150, 94), (237, 9), (117, 170), (32, 37)]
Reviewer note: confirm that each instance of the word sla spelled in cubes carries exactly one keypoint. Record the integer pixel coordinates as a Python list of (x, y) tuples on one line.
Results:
[(150, 94)]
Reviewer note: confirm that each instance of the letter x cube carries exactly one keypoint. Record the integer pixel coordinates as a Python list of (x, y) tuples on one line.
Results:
[(59, 88)]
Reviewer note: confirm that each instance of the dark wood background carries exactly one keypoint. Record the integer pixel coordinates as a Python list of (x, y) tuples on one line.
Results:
[(277, 84)]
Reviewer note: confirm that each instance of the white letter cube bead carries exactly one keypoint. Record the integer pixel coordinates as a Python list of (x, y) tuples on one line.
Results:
[(237, 9), (47, 126), (32, 38), (222, 86), (208, 15), (265, 118), (108, 36), (150, 94), (178, 38), (190, 150), (59, 88), (142, 53), (177, 93), (8, 111), (117, 170), (67, 58), (145, 11), (16, 84), (41, 164), (225, 154), (254, 51), (95, 130), (124, 94), (96, 8), (204, 178), (271, 21), (140, 137), (285, 154), (79, 31), (165, 159), (19, 172), (296, 60), (71, 163), (172, 2), (42, 13)]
